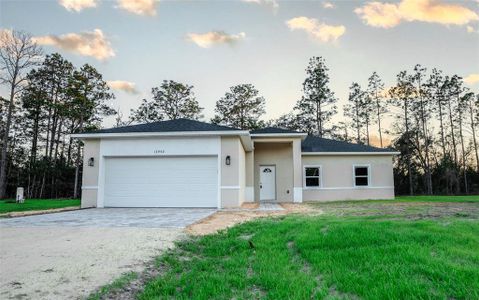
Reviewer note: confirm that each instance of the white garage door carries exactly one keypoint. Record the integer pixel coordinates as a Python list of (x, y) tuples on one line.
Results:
[(161, 182)]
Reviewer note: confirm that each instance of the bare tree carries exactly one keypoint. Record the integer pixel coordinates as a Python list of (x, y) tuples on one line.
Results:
[(474, 115), (18, 53)]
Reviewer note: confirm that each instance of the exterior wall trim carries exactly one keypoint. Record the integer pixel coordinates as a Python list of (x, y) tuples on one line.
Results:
[(298, 194), (230, 187), (89, 187), (349, 153), (150, 134), (260, 135), (352, 188), (220, 155)]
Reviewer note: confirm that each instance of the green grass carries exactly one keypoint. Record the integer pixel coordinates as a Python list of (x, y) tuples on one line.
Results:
[(299, 257), (468, 198), (115, 285), (36, 204)]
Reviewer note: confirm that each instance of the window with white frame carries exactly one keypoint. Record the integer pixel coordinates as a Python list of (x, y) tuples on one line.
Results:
[(361, 175), (312, 176)]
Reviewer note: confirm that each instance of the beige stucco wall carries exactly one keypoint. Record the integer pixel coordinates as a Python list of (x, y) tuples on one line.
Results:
[(279, 154), (249, 176), (233, 177), (91, 148), (337, 178)]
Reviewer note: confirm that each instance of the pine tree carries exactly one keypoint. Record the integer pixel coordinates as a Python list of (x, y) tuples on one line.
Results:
[(240, 107)]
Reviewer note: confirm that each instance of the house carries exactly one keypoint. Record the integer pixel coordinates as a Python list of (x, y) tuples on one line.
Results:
[(186, 163)]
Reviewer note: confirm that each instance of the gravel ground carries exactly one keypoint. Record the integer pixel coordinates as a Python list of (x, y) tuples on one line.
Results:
[(68, 255), (66, 263)]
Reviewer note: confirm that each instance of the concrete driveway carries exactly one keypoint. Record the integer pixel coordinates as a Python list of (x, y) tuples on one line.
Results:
[(70, 254)]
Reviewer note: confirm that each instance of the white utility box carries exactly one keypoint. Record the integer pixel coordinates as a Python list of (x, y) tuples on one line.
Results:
[(20, 197)]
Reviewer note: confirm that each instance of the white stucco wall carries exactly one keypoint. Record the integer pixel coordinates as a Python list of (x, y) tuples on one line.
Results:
[(338, 181)]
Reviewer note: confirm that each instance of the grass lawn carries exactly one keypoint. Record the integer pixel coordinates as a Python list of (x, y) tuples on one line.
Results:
[(419, 247), (467, 198), (299, 257), (37, 204)]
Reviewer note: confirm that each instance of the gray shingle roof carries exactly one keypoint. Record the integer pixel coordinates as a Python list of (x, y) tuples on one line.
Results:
[(269, 130), (168, 126), (317, 144)]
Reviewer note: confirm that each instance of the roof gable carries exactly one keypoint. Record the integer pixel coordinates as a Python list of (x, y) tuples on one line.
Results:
[(318, 144), (177, 125)]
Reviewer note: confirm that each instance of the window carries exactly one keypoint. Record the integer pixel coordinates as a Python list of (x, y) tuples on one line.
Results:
[(361, 175), (312, 176)]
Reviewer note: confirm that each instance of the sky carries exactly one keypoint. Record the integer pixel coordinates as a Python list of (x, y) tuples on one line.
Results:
[(214, 45)]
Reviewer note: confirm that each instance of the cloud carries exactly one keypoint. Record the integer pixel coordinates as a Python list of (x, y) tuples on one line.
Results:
[(328, 5), (317, 30), (208, 39), (92, 43), (270, 3), (471, 29), (139, 7), (77, 5), (387, 15), (125, 86), (471, 79)]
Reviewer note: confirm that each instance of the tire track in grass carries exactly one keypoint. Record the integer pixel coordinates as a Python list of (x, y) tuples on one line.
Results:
[(321, 291)]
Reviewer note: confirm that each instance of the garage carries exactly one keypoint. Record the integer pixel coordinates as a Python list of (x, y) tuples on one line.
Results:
[(179, 181)]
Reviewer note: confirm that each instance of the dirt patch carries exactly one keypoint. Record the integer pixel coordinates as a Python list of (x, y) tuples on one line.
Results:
[(226, 219), (409, 210), (15, 214)]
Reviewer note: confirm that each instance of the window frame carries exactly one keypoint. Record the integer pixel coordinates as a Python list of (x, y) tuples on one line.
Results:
[(368, 167), (320, 177)]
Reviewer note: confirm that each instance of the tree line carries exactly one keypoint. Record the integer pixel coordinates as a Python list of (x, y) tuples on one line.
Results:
[(49, 99), (431, 117)]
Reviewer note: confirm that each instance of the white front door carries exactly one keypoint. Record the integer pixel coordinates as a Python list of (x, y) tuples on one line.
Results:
[(267, 183)]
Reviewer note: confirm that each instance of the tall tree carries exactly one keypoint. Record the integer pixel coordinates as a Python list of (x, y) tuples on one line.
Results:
[(462, 106), (421, 110), (353, 109), (454, 88), (18, 53), (89, 95), (402, 94), (147, 112), (318, 104), (172, 100), (436, 89), (474, 120), (288, 121), (376, 94), (240, 107)]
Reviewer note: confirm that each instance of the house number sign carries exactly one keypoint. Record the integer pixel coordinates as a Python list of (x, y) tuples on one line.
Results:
[(159, 151)]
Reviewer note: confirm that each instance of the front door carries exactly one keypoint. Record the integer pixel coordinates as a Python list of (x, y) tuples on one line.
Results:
[(267, 183)]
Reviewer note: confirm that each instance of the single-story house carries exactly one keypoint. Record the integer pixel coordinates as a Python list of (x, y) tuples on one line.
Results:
[(186, 163)]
